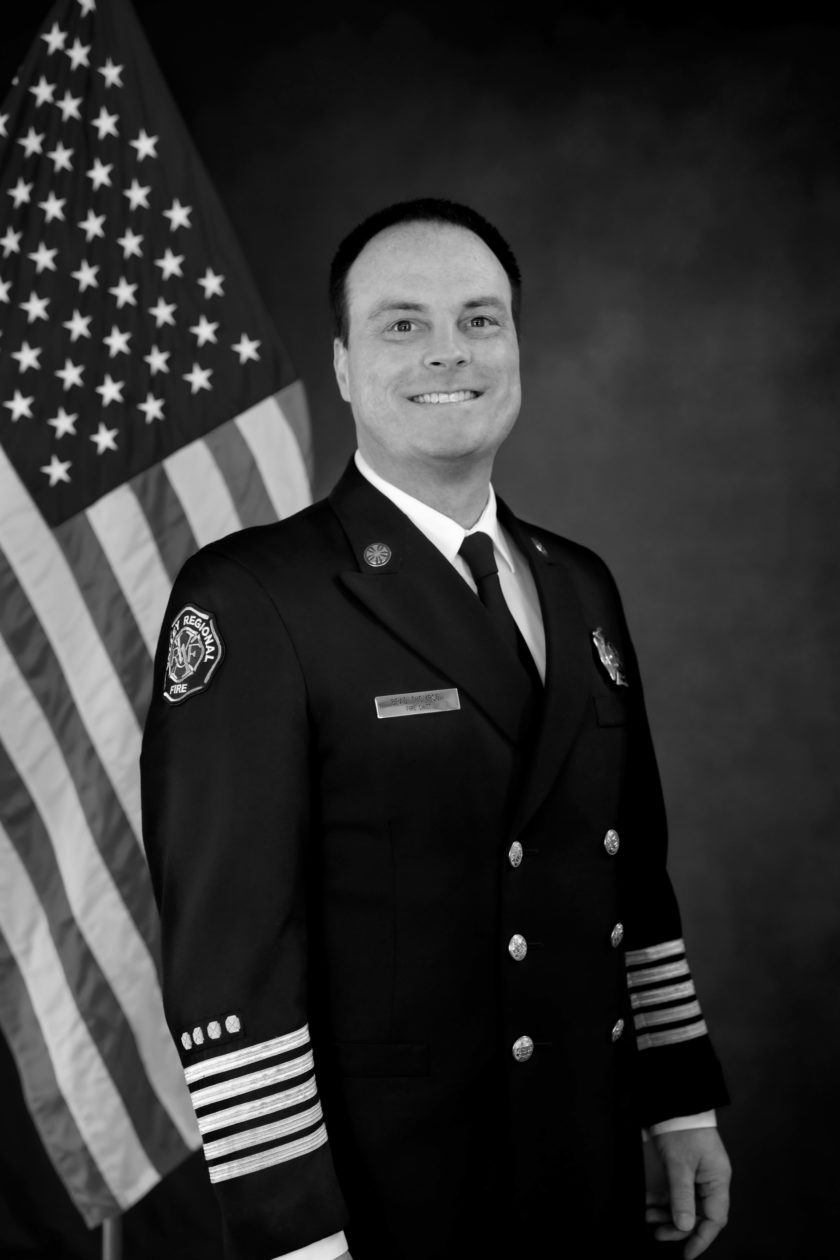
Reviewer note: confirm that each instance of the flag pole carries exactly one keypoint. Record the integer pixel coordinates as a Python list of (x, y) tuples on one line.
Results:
[(112, 1238)]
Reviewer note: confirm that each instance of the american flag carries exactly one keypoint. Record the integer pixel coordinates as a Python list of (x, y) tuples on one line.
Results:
[(146, 408)]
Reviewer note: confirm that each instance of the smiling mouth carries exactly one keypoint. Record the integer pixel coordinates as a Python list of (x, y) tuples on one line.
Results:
[(461, 395)]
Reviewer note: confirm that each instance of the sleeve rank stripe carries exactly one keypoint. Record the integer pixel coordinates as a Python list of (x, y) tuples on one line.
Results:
[(263, 1133), (670, 1015), (238, 1085), (248, 1054), (665, 971), (259, 1107), (671, 1036), (666, 993), (265, 1159), (653, 953)]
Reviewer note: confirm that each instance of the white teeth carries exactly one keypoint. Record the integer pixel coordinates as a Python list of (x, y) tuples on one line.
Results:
[(463, 395)]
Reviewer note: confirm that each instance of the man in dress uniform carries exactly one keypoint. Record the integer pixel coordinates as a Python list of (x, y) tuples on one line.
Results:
[(421, 955)]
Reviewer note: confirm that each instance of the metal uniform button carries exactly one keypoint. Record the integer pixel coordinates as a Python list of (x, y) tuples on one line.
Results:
[(618, 1029), (522, 1049), (517, 947), (612, 842), (515, 854), (617, 935)]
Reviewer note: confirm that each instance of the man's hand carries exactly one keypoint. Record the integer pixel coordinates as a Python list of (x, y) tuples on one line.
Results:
[(687, 1174)]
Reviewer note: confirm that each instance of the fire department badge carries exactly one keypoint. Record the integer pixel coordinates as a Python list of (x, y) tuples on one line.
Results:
[(195, 652), (609, 657)]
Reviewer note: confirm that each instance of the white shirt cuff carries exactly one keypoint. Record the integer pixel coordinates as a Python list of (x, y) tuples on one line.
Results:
[(324, 1249), (703, 1120)]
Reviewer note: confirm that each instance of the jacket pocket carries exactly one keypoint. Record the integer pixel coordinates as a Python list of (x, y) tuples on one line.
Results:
[(382, 1058), (611, 710)]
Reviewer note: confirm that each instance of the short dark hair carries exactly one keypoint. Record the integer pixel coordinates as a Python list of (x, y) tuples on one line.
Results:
[(421, 210)]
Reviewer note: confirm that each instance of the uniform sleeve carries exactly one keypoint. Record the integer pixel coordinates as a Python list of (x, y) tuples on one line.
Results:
[(678, 1070), (225, 784)]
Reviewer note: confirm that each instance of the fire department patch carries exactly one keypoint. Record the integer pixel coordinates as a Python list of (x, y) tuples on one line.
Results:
[(195, 652)]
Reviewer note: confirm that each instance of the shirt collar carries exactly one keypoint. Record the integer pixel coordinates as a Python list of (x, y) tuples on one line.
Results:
[(446, 534)]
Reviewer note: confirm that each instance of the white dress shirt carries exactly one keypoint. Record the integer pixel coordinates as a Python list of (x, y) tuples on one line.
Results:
[(520, 592)]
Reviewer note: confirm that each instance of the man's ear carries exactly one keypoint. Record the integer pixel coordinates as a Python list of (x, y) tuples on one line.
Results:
[(340, 365)]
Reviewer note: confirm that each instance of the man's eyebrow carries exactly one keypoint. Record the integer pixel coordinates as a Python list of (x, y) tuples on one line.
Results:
[(395, 304), (485, 301)]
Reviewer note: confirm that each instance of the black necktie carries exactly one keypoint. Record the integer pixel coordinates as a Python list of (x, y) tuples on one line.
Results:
[(477, 550)]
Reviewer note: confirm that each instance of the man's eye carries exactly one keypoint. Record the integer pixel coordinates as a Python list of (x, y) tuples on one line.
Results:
[(402, 325), (481, 321)]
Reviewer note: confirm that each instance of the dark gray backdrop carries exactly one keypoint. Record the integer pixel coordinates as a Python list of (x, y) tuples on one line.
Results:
[(672, 189)]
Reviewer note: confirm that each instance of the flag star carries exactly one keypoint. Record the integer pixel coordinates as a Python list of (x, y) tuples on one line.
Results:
[(156, 360), (246, 348), (43, 92), (57, 470), (105, 124), (78, 54), (64, 423), (5, 285), (204, 330), (117, 342), (170, 264), (69, 106), (130, 244), (152, 408), (211, 284), (70, 374), (60, 157), (35, 307), (87, 6), (178, 215), (111, 74), (145, 145), (78, 326), (20, 406), (10, 242), (137, 195), (86, 276), (110, 390), (105, 439), (54, 39), (124, 293), (100, 174), (20, 193), (199, 378), (27, 356), (92, 225), (43, 258), (162, 312), (32, 142), (53, 207)]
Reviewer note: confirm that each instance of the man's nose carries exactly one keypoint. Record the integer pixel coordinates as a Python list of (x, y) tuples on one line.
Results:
[(448, 351)]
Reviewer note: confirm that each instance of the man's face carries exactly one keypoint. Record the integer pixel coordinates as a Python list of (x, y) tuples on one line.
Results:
[(431, 365)]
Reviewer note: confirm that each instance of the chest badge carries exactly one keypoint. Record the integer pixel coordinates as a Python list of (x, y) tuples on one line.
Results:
[(609, 657), (195, 652), (377, 554)]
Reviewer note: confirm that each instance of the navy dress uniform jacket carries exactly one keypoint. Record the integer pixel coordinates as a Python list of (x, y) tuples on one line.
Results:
[(364, 1044)]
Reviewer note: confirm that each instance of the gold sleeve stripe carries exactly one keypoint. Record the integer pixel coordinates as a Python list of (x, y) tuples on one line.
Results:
[(239, 1085), (265, 1159), (665, 971), (666, 993), (671, 1036), (214, 1120), (671, 1015), (263, 1133), (247, 1055), (653, 953)]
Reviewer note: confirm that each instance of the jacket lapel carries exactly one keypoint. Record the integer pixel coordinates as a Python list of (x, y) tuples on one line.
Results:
[(415, 592), (568, 667)]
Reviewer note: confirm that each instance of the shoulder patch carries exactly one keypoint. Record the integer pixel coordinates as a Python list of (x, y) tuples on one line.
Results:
[(195, 653)]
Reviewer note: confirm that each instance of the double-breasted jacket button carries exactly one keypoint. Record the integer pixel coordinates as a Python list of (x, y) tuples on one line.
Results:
[(517, 947), (515, 854), (617, 935), (522, 1049), (618, 1029), (612, 842)]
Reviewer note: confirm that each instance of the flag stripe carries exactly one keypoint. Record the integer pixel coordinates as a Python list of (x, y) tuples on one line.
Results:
[(277, 455), (106, 820), (239, 469), (43, 572), (46, 1102), (124, 536), (90, 1092), (95, 902), (292, 402), (88, 987), (167, 521), (203, 492), (109, 611)]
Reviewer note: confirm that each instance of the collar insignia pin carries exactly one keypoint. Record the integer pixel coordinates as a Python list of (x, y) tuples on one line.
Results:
[(609, 657), (540, 546), (377, 554)]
